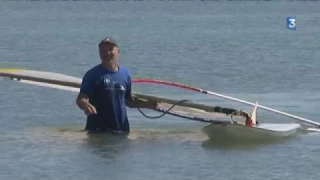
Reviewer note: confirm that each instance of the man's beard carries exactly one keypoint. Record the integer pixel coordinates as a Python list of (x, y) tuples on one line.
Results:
[(110, 59)]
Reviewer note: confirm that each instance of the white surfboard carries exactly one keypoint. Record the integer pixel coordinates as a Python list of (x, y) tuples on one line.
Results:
[(256, 132), (263, 131)]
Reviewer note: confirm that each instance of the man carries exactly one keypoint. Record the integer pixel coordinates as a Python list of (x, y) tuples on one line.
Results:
[(106, 91)]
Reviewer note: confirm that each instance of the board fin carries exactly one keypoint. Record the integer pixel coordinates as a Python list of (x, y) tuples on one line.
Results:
[(254, 114)]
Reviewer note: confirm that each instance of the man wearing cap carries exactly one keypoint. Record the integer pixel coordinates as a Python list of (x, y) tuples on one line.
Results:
[(106, 91)]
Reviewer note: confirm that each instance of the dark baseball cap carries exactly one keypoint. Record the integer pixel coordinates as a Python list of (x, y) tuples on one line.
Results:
[(109, 40)]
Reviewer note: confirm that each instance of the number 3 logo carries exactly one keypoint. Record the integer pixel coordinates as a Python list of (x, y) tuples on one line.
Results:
[(292, 23)]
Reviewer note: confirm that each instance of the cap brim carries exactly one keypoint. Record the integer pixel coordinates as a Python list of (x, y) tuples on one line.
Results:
[(108, 42)]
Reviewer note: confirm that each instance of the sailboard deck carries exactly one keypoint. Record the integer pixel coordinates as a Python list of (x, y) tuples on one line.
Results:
[(221, 126), (263, 131)]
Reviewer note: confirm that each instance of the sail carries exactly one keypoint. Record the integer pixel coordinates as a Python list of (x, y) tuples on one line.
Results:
[(183, 109)]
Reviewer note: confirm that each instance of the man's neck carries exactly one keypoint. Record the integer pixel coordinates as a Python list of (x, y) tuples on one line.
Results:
[(111, 66)]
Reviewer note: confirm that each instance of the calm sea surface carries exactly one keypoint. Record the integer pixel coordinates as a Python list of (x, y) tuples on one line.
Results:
[(241, 49)]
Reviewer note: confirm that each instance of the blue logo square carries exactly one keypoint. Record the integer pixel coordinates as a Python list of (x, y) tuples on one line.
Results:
[(291, 23)]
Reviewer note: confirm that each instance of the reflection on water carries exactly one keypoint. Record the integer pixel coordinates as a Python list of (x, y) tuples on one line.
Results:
[(108, 145), (172, 134), (233, 144)]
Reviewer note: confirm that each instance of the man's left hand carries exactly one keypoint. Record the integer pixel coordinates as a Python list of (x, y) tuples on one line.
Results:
[(152, 104)]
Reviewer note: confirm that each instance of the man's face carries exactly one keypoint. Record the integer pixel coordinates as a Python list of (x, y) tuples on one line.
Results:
[(108, 52)]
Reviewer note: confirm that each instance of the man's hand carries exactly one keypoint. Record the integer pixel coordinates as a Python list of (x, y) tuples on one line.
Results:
[(89, 109), (141, 103), (152, 104), (84, 104)]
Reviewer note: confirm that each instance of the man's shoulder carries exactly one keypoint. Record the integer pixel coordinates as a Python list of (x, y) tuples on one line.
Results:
[(124, 69), (94, 70), (92, 73)]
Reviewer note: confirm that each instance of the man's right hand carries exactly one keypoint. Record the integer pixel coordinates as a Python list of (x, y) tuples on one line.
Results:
[(89, 109), (84, 104)]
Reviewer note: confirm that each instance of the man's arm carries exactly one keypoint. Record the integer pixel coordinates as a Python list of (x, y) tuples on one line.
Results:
[(82, 100), (135, 102)]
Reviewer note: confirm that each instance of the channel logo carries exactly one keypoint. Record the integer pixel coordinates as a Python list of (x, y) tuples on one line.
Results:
[(291, 23)]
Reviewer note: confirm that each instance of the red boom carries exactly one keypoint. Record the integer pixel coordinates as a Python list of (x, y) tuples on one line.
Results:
[(155, 81)]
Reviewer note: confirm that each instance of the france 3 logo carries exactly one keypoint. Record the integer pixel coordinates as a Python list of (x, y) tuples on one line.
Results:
[(291, 23)]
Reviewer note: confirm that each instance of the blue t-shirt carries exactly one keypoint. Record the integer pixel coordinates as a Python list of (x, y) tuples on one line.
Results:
[(107, 92)]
